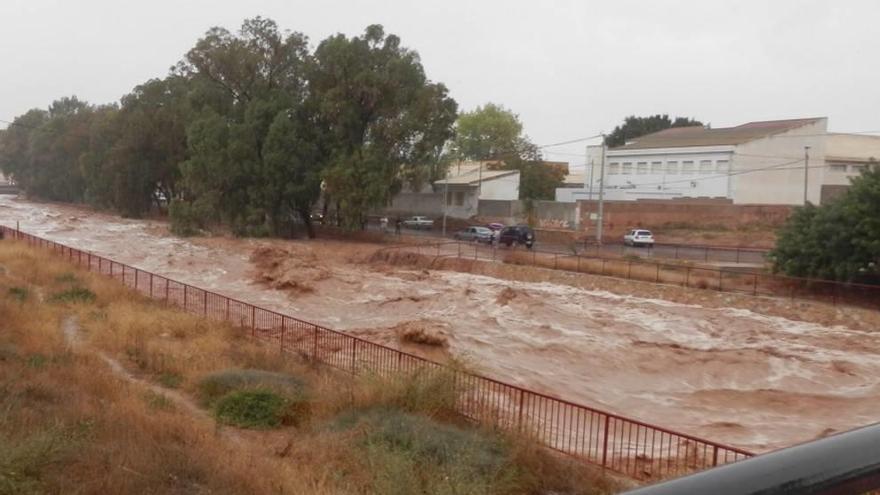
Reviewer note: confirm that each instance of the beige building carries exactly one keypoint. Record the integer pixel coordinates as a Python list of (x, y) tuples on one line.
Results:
[(767, 162)]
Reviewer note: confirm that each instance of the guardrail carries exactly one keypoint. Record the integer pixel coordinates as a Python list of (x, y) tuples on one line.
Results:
[(720, 279), (624, 445)]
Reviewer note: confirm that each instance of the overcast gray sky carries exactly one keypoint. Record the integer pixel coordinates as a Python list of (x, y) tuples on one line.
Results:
[(570, 69)]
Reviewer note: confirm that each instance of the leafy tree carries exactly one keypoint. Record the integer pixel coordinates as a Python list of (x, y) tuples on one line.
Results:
[(380, 116), (634, 127), (493, 133), (246, 80), (839, 240), (488, 132)]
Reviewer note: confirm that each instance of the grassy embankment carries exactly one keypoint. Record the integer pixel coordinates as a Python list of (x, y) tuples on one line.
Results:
[(103, 391)]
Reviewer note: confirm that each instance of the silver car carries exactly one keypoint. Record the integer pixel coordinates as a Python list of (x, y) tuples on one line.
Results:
[(478, 234)]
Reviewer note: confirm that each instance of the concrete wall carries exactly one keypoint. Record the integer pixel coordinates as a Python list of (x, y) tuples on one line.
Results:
[(774, 167), (623, 215), (500, 209), (405, 204), (553, 214)]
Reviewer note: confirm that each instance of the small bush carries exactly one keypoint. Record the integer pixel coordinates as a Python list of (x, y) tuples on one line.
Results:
[(252, 409), (74, 295), (216, 385), (20, 294), (170, 379), (433, 392), (414, 454)]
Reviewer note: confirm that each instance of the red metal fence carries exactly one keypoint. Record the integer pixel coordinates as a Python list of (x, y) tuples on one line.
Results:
[(686, 275), (624, 445)]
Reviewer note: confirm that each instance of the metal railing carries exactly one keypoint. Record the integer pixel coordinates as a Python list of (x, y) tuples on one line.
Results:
[(721, 279), (624, 445), (689, 252), (846, 463)]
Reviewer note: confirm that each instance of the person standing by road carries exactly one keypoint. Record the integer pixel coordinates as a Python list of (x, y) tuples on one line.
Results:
[(397, 226)]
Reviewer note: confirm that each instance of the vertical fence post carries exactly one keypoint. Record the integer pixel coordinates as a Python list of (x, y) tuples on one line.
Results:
[(657, 277), (123, 274), (459, 248), (715, 455), (283, 328), (227, 309), (720, 279), (315, 346), (578, 263), (755, 288), (185, 298), (603, 265), (253, 321), (151, 285), (166, 292), (605, 441), (519, 421), (136, 278), (354, 356), (205, 303), (687, 279)]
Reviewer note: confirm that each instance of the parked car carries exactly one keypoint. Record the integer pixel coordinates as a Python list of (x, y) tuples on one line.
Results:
[(639, 237), (478, 234), (519, 234), (418, 223)]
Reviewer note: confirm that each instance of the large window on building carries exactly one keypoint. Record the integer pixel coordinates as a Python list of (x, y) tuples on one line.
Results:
[(856, 169), (687, 167), (657, 168), (627, 168), (642, 168), (613, 168), (706, 167), (837, 167), (671, 168), (722, 166)]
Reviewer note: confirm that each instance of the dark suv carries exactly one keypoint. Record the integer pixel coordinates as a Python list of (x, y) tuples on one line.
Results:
[(520, 234)]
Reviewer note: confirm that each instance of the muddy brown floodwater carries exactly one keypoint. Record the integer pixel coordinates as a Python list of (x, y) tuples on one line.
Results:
[(731, 375)]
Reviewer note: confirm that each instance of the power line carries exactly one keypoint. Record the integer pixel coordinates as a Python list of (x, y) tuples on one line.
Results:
[(570, 142)]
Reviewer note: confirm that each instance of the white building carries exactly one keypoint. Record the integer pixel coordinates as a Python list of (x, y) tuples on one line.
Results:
[(754, 163), (469, 182)]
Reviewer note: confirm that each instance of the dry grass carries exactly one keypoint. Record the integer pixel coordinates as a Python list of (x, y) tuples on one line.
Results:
[(69, 421)]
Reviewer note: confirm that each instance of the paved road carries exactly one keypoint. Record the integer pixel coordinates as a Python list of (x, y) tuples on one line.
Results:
[(660, 251)]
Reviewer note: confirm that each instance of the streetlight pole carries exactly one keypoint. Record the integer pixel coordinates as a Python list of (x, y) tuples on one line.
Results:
[(601, 195), (806, 171)]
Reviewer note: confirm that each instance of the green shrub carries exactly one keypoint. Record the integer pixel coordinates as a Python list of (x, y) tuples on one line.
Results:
[(170, 379), (252, 409), (20, 294), (408, 453), (74, 295), (216, 385), (432, 392), (24, 460)]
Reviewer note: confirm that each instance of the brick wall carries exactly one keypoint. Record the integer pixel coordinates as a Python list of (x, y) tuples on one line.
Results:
[(623, 215)]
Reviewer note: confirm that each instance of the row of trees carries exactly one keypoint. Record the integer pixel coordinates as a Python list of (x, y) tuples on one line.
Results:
[(249, 130)]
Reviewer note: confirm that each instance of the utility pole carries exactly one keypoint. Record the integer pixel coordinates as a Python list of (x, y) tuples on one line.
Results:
[(806, 171), (591, 173), (601, 195)]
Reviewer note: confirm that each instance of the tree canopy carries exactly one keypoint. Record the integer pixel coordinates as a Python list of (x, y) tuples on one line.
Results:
[(495, 134), (839, 240), (249, 130), (634, 127)]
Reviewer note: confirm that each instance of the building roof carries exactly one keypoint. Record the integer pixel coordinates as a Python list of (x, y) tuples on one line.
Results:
[(468, 174), (680, 137), (855, 148), (574, 179)]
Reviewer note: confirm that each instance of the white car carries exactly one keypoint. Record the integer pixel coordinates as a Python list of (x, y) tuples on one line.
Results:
[(418, 223), (639, 237)]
